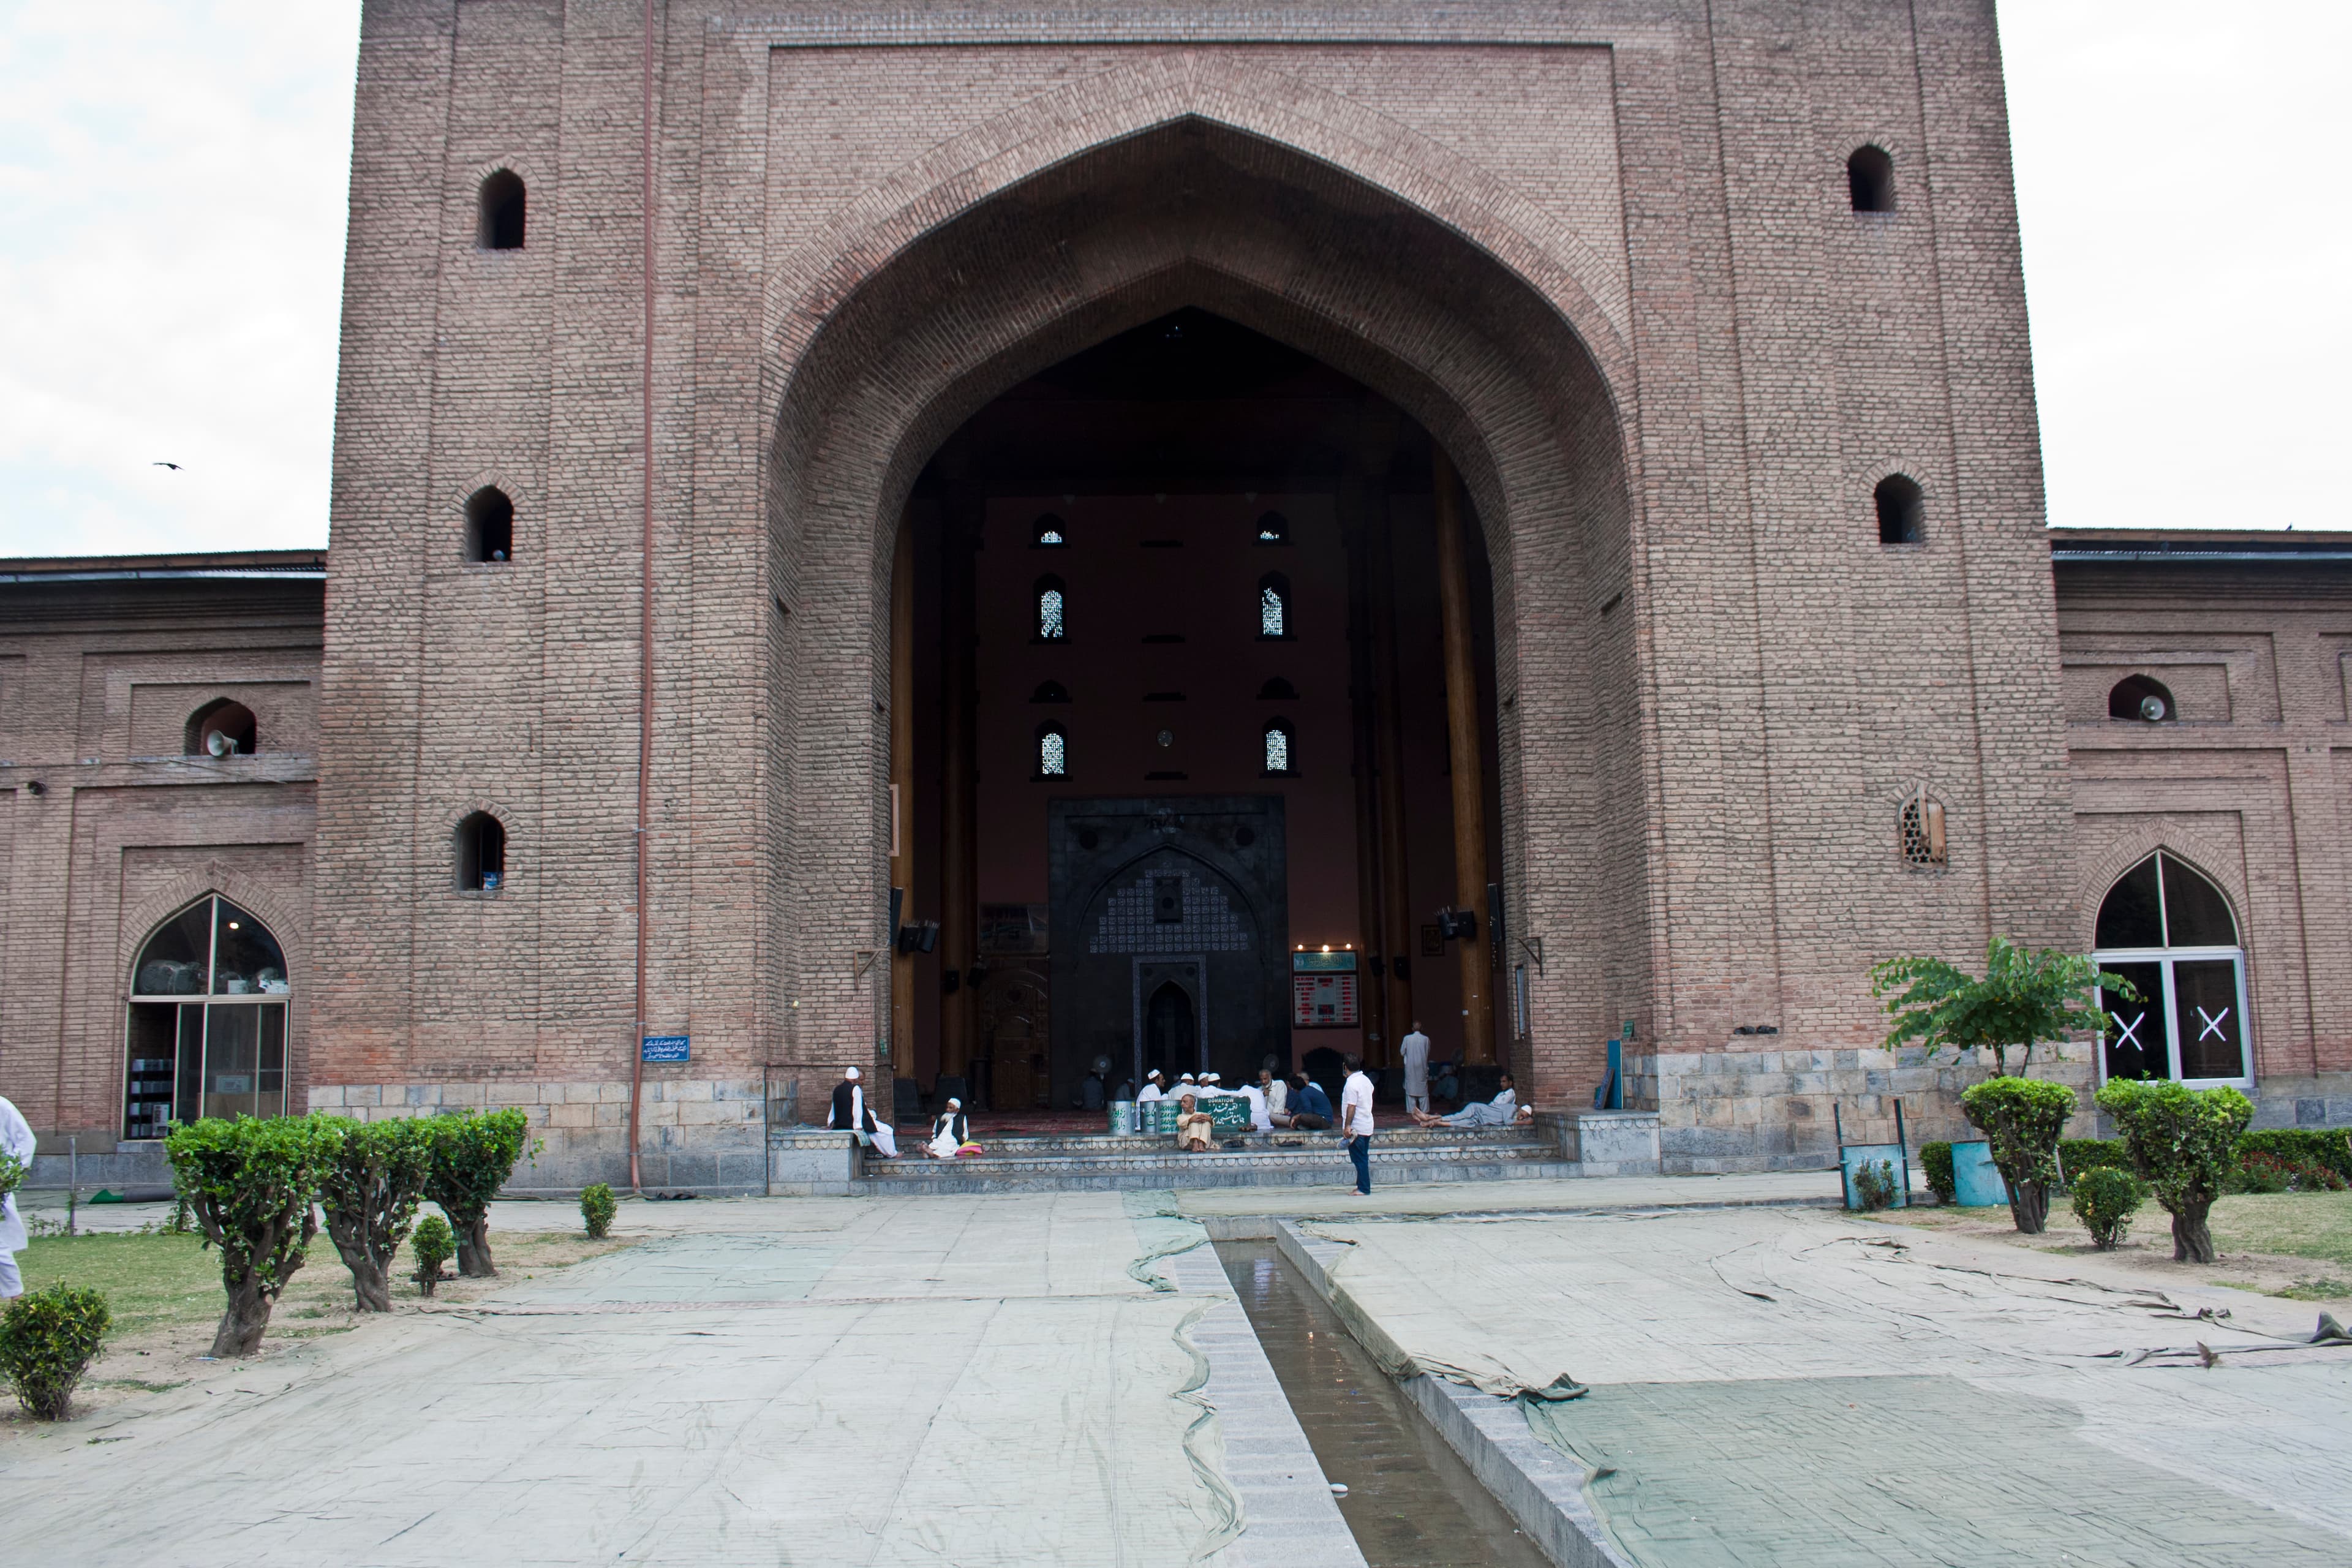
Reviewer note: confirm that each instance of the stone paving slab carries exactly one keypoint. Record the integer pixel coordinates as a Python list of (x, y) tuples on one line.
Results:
[(1337, 1199), (1787, 1386)]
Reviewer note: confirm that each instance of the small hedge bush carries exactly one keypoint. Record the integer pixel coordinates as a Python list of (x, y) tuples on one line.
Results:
[(2105, 1198), (47, 1339), (2330, 1147), (1935, 1165), (251, 1185), (2185, 1143), (2259, 1172), (596, 1208), (12, 1172), (2076, 1155), (369, 1189), (433, 1245), (472, 1157), (2022, 1119), (1874, 1184)]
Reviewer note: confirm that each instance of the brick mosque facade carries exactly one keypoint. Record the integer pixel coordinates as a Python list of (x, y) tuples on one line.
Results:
[(1715, 310)]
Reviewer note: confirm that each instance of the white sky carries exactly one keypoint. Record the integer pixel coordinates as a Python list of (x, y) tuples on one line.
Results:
[(173, 175)]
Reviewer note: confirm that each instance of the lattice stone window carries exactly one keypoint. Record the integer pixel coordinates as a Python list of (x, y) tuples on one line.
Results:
[(1278, 747), (1053, 752), (1273, 605), (1050, 532), (1052, 607), (1923, 831)]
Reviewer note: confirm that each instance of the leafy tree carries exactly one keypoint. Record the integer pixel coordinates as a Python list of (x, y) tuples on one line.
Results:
[(433, 1245), (369, 1189), (2184, 1141), (47, 1338), (2024, 999), (472, 1157), (2022, 1119), (251, 1185)]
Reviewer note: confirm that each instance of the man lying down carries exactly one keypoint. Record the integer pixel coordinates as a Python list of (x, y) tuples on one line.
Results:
[(1503, 1110)]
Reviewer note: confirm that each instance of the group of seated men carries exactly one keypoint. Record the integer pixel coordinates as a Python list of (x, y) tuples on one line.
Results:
[(1296, 1102)]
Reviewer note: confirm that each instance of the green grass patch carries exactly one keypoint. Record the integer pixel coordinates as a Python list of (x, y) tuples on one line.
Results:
[(2292, 1224), (152, 1282)]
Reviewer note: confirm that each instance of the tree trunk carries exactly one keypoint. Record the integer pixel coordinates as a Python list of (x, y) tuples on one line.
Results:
[(2029, 1206), (474, 1248), (241, 1326), (369, 1285), (2192, 1242)]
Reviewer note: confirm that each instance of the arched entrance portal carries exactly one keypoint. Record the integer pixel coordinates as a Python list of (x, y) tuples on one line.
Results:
[(1411, 354)]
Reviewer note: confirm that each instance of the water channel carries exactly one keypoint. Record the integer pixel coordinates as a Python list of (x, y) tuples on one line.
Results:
[(1411, 1500)]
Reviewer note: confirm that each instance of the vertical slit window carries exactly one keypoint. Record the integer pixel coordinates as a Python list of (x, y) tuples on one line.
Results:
[(1053, 752), (1053, 610), (1273, 605)]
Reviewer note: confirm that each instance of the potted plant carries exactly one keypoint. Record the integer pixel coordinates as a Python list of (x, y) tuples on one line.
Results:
[(2021, 1000)]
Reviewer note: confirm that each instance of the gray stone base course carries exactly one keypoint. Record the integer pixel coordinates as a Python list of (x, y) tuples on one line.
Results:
[(2312, 1099), (1542, 1491)]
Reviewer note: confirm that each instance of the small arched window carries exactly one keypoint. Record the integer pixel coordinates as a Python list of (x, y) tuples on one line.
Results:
[(1870, 180), (1277, 689), (1050, 532), (1902, 509), (2168, 929), (481, 854), (2138, 697), (1050, 691), (1053, 610), (489, 525), (1273, 528), (207, 1033), (222, 728), (1281, 754), (1053, 752), (1922, 831), (1273, 605), (502, 211)]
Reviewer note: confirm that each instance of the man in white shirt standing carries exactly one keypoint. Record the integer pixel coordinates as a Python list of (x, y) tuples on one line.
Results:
[(1356, 1122), (16, 1138), (1415, 1048)]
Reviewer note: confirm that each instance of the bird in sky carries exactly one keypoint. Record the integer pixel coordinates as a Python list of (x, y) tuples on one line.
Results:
[(159, 463)]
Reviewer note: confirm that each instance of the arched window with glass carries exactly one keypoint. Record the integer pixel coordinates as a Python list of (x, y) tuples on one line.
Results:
[(1273, 605), (1053, 609), (1281, 749), (2169, 930), (1053, 744), (206, 1035)]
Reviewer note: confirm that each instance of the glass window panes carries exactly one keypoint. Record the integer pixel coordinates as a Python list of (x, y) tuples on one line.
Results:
[(1053, 754), (1270, 611), (217, 1046), (1278, 749), (2166, 929), (1049, 613)]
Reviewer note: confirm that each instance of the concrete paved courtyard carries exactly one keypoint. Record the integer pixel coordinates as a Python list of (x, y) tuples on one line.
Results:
[(1068, 1379)]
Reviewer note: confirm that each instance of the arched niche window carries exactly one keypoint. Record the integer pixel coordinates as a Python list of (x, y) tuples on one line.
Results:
[(1273, 528), (1273, 605), (1050, 691), (1870, 180), (481, 853), (1902, 509), (1277, 689), (502, 211), (222, 728), (1281, 749), (489, 525), (2169, 930), (1050, 532), (1922, 831), (2140, 697), (1053, 603), (1053, 744), (207, 1029)]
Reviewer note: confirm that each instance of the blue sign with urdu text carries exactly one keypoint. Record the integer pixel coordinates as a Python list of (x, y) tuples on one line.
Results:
[(664, 1049)]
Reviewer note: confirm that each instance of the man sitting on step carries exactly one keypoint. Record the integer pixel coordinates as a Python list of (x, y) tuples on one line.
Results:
[(1306, 1106), (1503, 1110)]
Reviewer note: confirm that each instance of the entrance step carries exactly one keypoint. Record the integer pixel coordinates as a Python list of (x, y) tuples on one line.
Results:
[(1126, 1165)]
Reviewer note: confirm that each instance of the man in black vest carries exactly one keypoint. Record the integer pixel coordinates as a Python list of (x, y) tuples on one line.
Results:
[(850, 1111)]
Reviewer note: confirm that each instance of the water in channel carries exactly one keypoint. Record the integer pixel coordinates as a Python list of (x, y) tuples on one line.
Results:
[(1411, 1502)]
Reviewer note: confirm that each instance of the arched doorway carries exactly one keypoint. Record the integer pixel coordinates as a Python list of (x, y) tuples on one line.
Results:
[(1470, 366), (2168, 929), (207, 1028), (1171, 1035)]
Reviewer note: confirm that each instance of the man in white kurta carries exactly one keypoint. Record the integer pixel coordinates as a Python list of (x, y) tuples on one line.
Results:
[(1414, 1049), (1152, 1088), (17, 1139), (849, 1112)]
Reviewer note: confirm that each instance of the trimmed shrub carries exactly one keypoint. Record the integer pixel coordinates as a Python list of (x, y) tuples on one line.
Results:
[(433, 1245), (2022, 1119), (1935, 1165), (2331, 1147), (369, 1190), (2184, 1143), (47, 1339), (12, 1172), (472, 1157), (2257, 1172), (251, 1185), (1874, 1184), (2105, 1198), (2076, 1155), (596, 1208)]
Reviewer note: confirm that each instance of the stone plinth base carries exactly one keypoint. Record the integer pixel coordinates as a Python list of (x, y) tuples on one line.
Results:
[(2307, 1099), (1613, 1142), (812, 1162)]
